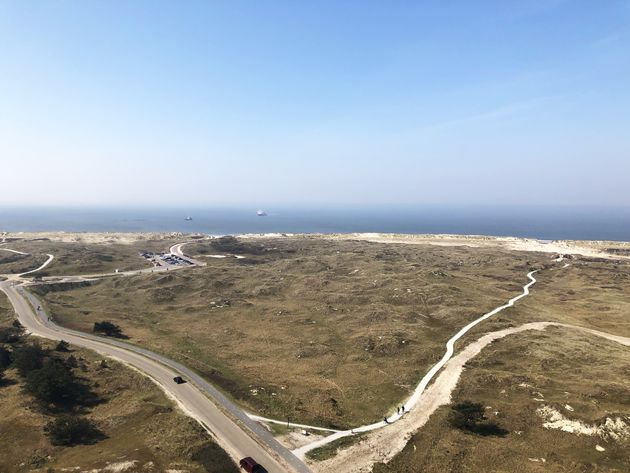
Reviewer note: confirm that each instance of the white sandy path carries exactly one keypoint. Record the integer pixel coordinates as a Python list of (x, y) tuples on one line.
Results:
[(46, 263), (177, 249), (613, 338), (382, 445), (13, 251), (424, 382), (282, 422), (221, 256)]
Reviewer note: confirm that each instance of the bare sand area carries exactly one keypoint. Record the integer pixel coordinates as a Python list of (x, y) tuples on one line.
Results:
[(90, 237), (598, 249), (382, 445)]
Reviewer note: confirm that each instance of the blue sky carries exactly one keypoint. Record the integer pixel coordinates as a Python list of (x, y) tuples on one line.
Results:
[(459, 102)]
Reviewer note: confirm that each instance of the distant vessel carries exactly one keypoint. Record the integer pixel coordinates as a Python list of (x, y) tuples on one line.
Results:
[(189, 218), (261, 213)]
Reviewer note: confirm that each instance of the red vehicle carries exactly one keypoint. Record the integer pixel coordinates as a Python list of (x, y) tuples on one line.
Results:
[(250, 466)]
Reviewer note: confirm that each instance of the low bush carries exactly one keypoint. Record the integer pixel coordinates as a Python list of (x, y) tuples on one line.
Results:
[(5, 358), (108, 328), (68, 430), (28, 358), (55, 385), (469, 416), (62, 346)]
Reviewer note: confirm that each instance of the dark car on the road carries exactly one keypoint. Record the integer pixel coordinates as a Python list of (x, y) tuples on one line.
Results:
[(251, 466), (179, 380)]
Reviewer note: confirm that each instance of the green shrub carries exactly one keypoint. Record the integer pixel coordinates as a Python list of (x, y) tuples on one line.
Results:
[(469, 416), (108, 328), (71, 430), (11, 334), (28, 358), (62, 346), (53, 383), (5, 358)]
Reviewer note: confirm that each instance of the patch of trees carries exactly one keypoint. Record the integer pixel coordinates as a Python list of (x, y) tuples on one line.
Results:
[(108, 328), (39, 275), (469, 416), (12, 334), (51, 381), (68, 430), (62, 346), (8, 335), (54, 383), (5, 358), (27, 358), (48, 379)]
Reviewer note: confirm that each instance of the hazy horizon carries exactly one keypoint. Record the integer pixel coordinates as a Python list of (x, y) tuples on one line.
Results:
[(546, 222), (362, 103)]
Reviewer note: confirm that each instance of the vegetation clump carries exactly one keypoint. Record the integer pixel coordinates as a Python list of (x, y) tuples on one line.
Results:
[(5, 358), (232, 245), (27, 358), (62, 346), (68, 430), (54, 383), (108, 328), (469, 416), (12, 334)]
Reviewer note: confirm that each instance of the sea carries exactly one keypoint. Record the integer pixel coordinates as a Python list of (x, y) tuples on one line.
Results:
[(543, 222)]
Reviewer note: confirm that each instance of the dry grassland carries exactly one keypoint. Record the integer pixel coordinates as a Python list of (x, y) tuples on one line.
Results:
[(328, 332), (518, 378), (144, 431)]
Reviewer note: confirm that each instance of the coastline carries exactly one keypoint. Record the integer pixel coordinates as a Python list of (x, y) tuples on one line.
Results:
[(588, 248)]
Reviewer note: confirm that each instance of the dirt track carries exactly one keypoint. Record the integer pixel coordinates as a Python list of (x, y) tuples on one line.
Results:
[(382, 445)]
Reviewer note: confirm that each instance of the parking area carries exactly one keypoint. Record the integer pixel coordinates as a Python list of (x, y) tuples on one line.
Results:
[(165, 259)]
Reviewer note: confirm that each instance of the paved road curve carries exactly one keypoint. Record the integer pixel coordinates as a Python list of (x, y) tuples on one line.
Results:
[(231, 427)]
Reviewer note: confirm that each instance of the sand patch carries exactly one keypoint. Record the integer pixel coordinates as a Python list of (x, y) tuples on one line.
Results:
[(119, 467), (617, 428)]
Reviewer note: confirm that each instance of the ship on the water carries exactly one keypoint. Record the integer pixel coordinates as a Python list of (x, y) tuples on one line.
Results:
[(261, 213), (188, 219)]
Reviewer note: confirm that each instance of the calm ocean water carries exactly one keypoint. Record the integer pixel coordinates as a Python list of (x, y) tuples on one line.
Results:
[(543, 223)]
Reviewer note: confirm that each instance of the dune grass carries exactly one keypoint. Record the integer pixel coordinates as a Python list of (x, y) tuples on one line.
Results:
[(327, 332)]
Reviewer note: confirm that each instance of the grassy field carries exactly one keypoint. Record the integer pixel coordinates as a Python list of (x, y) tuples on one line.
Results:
[(79, 258), (582, 377), (140, 425), (589, 292), (14, 263), (6, 311), (329, 332)]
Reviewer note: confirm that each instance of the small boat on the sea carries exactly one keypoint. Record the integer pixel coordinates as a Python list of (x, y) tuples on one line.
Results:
[(261, 213), (188, 219)]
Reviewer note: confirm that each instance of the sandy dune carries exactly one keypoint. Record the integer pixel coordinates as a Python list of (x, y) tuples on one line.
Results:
[(382, 445)]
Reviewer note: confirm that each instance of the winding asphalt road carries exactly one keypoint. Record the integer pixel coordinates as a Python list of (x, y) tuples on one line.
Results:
[(236, 431), (232, 428)]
